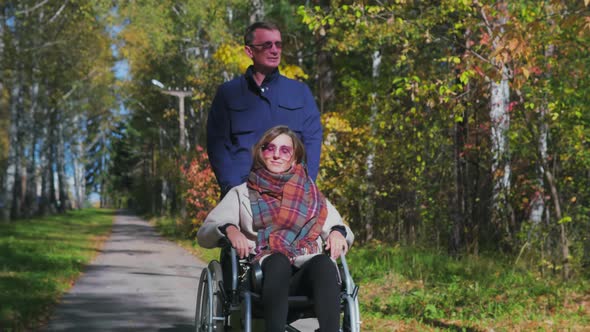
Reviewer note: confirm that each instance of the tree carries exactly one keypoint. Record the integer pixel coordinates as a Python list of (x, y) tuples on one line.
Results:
[(51, 54)]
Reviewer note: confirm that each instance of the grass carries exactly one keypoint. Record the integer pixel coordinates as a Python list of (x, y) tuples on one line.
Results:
[(41, 258), (171, 228), (430, 291), (405, 289), (402, 289)]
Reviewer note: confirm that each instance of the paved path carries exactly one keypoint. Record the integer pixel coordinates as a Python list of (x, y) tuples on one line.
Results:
[(139, 282)]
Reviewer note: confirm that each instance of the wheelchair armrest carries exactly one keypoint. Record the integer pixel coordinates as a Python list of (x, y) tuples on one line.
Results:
[(223, 242), (229, 252)]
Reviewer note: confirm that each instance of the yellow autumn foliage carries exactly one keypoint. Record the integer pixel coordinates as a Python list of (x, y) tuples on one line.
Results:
[(233, 56), (341, 151), (293, 71), (334, 122)]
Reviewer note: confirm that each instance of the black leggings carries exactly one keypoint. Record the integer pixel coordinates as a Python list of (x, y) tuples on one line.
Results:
[(317, 278)]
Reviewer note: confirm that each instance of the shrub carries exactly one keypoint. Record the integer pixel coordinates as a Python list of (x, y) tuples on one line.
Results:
[(202, 191)]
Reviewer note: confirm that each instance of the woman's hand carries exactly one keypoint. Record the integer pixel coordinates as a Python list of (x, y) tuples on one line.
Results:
[(337, 245), (238, 241)]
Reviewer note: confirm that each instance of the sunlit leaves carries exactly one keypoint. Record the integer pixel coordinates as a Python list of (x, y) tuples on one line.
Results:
[(232, 55), (293, 71)]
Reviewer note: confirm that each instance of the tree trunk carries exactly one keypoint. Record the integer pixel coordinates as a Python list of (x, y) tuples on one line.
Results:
[(538, 202), (325, 77), (64, 201), (563, 240), (78, 165), (2, 28), (257, 11), (12, 162), (103, 190), (457, 237), (368, 201), (31, 205), (47, 204), (500, 123)]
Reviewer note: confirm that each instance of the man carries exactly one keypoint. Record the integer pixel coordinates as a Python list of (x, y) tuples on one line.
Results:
[(245, 107)]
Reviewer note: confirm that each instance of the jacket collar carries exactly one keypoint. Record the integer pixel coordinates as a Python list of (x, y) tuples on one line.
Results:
[(252, 83)]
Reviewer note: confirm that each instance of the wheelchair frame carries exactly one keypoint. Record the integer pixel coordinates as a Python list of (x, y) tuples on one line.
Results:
[(220, 309)]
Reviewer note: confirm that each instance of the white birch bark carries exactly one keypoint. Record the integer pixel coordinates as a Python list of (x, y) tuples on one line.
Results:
[(31, 204), (369, 200), (78, 158), (500, 124), (48, 197), (103, 189), (538, 202), (12, 159), (230, 14), (257, 11), (64, 200)]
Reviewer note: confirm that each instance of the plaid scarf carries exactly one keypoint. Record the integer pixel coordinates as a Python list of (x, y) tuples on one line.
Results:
[(288, 212)]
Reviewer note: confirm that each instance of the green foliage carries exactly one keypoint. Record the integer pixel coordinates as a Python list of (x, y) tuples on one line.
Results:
[(40, 260), (425, 113), (404, 89)]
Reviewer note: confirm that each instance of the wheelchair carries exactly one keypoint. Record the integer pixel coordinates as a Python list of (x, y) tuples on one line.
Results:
[(230, 300)]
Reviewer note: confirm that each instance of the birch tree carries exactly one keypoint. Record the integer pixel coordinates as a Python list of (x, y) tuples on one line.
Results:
[(12, 167), (49, 48), (499, 116)]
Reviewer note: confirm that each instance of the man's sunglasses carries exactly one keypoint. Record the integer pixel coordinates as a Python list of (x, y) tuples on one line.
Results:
[(268, 45)]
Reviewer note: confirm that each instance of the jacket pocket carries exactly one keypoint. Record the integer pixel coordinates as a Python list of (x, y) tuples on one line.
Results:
[(291, 102), (292, 112), (242, 119)]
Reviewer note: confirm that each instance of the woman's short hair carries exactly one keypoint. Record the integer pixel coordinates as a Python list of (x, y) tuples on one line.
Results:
[(271, 134), (249, 33)]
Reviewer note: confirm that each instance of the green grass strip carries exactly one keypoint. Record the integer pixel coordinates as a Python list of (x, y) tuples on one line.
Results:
[(412, 289), (173, 230), (473, 293), (41, 258)]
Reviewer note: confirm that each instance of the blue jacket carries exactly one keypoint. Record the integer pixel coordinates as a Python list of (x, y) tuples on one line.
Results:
[(242, 111)]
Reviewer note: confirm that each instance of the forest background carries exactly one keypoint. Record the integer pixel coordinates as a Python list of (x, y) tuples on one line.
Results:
[(456, 127)]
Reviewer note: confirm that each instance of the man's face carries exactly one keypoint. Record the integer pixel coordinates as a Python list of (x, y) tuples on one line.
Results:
[(265, 49)]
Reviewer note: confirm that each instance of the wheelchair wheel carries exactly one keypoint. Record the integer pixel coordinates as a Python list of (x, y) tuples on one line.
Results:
[(209, 315)]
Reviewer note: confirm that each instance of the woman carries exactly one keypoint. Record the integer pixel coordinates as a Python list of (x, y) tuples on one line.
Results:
[(282, 219)]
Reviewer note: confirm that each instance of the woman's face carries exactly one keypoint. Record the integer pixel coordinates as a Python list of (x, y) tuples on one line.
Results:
[(278, 154)]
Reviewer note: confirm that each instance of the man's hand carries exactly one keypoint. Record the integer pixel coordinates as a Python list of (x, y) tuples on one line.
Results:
[(238, 241), (337, 245)]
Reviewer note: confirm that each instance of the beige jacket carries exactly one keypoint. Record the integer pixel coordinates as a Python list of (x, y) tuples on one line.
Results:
[(235, 209)]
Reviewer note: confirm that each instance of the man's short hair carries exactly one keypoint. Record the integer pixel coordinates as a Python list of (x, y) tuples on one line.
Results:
[(249, 35)]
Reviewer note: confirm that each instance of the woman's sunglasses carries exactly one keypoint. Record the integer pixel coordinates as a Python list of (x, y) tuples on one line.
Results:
[(285, 152)]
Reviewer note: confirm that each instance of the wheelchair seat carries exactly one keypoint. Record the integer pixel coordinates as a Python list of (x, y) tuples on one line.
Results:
[(229, 298)]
